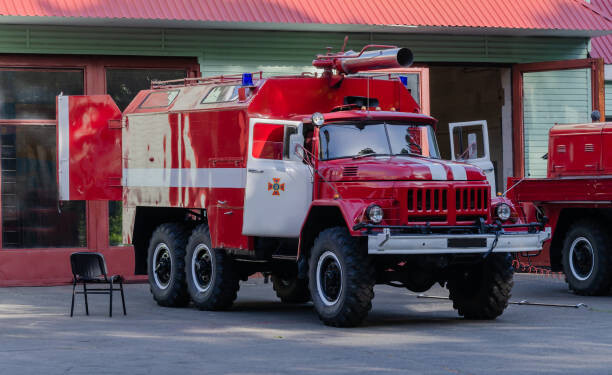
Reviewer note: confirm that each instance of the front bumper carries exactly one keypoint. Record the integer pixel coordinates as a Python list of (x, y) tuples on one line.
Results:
[(406, 244)]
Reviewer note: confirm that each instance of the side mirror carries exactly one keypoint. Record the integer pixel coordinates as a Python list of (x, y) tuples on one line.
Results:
[(295, 144)]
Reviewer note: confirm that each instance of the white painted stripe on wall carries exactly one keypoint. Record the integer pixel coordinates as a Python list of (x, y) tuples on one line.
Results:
[(438, 173), (459, 172), (63, 152), (185, 177)]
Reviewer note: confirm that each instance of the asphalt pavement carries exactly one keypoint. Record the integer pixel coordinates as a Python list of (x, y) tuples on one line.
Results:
[(404, 334)]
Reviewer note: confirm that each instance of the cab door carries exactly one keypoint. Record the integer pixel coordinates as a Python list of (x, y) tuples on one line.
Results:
[(470, 144), (279, 184), (88, 148)]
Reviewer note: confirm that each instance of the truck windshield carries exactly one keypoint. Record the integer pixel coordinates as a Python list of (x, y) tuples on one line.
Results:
[(348, 140)]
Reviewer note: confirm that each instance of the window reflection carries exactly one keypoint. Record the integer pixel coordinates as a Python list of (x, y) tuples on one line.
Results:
[(124, 84), (31, 216), (30, 94)]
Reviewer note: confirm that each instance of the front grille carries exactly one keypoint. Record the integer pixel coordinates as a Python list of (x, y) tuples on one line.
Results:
[(471, 199), (436, 204), (427, 204)]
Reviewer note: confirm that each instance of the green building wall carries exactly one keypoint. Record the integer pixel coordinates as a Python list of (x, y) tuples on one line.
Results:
[(234, 51)]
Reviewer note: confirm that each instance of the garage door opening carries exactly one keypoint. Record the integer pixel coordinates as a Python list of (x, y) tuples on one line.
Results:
[(469, 93)]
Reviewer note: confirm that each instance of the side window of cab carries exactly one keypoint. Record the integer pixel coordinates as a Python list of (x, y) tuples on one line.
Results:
[(271, 141)]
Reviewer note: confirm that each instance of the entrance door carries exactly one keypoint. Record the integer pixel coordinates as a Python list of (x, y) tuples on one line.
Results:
[(279, 185), (549, 93), (469, 143)]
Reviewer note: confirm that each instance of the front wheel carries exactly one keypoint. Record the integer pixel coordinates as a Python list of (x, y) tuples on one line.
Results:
[(212, 280), (586, 260), (341, 278), (482, 291)]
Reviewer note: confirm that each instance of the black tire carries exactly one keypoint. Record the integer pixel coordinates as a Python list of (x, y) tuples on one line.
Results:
[(483, 291), (166, 265), (586, 260), (212, 280), (290, 289), (338, 256)]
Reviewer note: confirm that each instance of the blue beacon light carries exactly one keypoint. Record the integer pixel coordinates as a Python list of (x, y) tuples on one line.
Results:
[(247, 79), (404, 80)]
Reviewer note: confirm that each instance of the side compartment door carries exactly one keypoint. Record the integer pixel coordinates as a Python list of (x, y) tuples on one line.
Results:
[(279, 185), (88, 148), (469, 143)]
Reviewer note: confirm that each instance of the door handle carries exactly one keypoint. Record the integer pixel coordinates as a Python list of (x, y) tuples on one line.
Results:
[(228, 213), (251, 170), (221, 202)]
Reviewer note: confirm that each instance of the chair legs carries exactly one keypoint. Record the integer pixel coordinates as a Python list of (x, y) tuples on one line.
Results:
[(110, 293), (122, 297), (73, 292), (85, 293)]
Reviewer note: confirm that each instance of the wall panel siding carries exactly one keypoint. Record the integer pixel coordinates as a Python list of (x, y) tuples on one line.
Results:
[(232, 51), (552, 97)]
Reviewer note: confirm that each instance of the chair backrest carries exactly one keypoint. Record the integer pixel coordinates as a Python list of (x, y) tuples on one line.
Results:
[(88, 265)]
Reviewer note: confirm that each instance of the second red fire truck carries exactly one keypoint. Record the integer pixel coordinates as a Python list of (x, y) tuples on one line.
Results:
[(331, 183)]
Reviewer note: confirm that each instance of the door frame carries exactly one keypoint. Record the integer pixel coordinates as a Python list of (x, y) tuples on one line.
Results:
[(597, 98)]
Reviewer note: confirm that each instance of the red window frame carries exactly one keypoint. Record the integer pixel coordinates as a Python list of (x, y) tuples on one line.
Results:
[(94, 83)]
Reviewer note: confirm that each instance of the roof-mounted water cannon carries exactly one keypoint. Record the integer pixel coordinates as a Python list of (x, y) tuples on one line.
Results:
[(350, 62)]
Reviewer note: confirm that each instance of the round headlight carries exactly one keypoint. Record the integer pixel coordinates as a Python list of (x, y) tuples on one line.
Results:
[(503, 211), (375, 213), (318, 119)]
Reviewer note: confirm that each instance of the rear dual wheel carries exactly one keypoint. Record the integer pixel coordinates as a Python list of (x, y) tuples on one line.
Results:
[(212, 280), (166, 265)]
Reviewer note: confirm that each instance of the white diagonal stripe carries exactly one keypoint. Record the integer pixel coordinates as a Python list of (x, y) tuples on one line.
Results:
[(185, 177), (459, 172), (438, 173)]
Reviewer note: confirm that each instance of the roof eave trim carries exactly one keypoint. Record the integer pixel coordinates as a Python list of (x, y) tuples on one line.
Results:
[(189, 24)]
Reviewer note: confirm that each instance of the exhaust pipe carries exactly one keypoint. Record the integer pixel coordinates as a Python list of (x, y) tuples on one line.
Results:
[(352, 62), (373, 60)]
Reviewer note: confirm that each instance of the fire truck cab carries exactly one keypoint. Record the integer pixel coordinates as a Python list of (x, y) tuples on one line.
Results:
[(329, 183)]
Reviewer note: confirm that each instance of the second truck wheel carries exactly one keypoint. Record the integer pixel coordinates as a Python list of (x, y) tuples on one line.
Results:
[(586, 260)]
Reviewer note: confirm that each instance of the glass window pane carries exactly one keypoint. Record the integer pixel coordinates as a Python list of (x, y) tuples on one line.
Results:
[(159, 99), (30, 94), (221, 94), (124, 84), (550, 97), (31, 216), (115, 223)]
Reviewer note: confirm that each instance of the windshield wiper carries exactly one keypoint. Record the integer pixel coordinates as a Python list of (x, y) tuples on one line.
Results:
[(369, 154)]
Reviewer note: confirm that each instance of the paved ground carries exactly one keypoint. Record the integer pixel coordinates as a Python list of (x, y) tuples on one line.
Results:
[(403, 334)]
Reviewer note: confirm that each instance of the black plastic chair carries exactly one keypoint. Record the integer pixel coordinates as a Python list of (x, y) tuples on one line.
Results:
[(90, 268)]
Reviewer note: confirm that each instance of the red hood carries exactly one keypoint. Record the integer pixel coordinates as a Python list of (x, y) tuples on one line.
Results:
[(397, 168)]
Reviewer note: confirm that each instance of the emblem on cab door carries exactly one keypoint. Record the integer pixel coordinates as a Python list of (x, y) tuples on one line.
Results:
[(276, 187)]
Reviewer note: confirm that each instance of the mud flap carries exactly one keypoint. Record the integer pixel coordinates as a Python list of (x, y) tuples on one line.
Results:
[(88, 148)]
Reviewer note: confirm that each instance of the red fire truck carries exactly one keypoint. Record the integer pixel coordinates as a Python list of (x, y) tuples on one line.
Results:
[(331, 183), (576, 199)]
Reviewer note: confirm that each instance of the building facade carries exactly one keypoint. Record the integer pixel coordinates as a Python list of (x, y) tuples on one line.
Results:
[(520, 67)]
